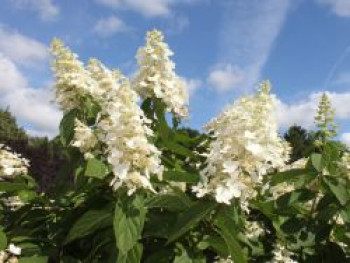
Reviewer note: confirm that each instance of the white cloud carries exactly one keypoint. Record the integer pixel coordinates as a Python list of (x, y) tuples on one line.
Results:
[(192, 85), (177, 25), (226, 77), (250, 28), (303, 112), (21, 49), (30, 106), (345, 138), (148, 8), (106, 27), (46, 9), (338, 7)]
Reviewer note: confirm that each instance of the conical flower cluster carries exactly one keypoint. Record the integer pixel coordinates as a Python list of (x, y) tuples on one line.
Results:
[(11, 164), (72, 79), (245, 147), (121, 128), (157, 78)]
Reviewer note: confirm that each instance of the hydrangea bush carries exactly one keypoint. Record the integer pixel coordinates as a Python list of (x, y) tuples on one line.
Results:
[(147, 190)]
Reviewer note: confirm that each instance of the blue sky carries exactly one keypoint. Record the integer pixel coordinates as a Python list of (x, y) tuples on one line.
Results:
[(223, 48)]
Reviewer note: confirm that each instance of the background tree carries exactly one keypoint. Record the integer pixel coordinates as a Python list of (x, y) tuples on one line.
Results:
[(301, 141), (45, 155)]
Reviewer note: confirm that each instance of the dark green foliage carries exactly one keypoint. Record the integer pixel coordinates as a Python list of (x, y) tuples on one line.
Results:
[(45, 156), (301, 141)]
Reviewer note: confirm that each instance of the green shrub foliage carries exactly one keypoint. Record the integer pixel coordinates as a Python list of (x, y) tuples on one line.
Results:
[(148, 190)]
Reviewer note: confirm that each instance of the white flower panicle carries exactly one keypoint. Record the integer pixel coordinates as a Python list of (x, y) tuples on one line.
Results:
[(121, 126), (11, 164), (282, 255), (10, 254), (253, 230), (84, 138), (344, 164), (245, 147), (72, 79), (156, 76)]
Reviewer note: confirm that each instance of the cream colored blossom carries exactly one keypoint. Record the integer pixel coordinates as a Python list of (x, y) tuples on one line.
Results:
[(298, 164), (13, 202), (325, 118), (245, 147), (121, 126), (282, 255), (156, 76), (14, 250), (253, 230), (344, 165), (84, 138), (72, 79), (11, 164)]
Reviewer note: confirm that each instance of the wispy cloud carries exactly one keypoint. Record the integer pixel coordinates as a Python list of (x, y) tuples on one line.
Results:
[(21, 49), (226, 77), (177, 24), (148, 8), (46, 9), (192, 85), (108, 26), (339, 7), (249, 30)]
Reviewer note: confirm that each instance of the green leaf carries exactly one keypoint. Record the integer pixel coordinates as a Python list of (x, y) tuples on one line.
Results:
[(174, 202), (229, 235), (67, 127), (162, 124), (179, 149), (293, 225), (92, 109), (179, 176), (9, 187), (26, 195), (217, 243), (134, 255), (338, 189), (316, 160), (292, 176), (183, 257), (299, 195), (88, 223), (129, 218), (3, 240), (96, 169), (159, 224), (190, 218), (38, 259)]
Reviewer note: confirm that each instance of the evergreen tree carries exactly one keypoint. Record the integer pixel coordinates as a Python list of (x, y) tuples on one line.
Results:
[(301, 141), (10, 133)]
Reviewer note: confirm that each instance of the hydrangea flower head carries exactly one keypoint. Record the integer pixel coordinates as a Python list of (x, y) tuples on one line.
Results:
[(121, 128), (156, 76), (245, 146), (12, 164)]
